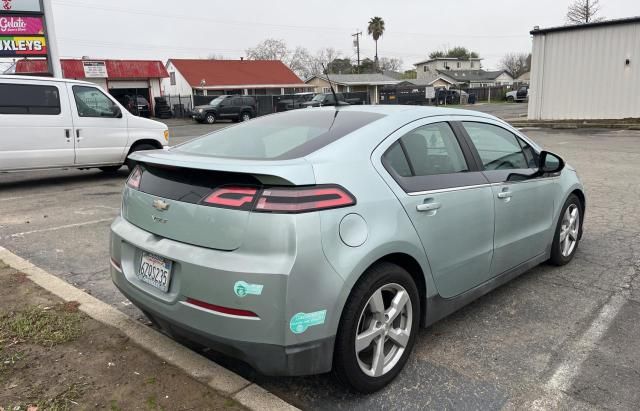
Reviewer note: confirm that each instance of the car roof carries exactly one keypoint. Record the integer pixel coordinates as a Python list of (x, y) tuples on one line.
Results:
[(418, 111), (45, 79)]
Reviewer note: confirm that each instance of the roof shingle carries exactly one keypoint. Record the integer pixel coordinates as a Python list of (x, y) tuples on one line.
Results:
[(235, 72)]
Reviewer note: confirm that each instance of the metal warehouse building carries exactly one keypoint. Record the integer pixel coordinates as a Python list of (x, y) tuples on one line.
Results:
[(587, 71)]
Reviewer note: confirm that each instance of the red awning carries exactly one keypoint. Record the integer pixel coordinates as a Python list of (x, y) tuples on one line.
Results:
[(116, 69)]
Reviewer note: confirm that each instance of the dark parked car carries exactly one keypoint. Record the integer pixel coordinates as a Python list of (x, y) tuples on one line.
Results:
[(138, 106), (294, 102), (236, 108), (449, 96), (325, 99)]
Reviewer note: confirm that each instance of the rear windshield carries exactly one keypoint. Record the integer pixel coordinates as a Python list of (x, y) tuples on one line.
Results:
[(281, 136)]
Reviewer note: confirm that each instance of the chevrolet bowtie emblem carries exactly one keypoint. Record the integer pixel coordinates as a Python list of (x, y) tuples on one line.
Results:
[(160, 205)]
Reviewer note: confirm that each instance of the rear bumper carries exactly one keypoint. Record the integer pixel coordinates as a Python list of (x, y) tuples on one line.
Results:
[(304, 359), (302, 282)]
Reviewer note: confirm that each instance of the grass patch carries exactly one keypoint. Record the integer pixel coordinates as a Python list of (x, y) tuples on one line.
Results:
[(150, 380), (152, 403), (43, 326)]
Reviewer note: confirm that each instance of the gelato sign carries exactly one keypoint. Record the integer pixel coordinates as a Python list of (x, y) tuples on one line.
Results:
[(21, 5), (21, 26), (14, 46)]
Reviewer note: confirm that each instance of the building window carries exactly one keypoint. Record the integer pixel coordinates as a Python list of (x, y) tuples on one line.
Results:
[(172, 78), (458, 64), (326, 90), (424, 68), (473, 64)]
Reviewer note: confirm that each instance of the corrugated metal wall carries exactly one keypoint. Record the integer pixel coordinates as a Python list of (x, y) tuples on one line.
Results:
[(581, 74)]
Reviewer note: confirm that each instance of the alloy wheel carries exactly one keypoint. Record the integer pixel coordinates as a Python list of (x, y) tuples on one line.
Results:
[(384, 329), (569, 230)]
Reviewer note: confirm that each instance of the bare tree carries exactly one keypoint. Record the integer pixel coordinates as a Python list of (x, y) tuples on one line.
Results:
[(214, 56), (584, 11), (390, 64), (270, 49), (515, 63)]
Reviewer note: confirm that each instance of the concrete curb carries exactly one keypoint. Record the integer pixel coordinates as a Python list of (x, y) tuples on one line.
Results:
[(198, 367)]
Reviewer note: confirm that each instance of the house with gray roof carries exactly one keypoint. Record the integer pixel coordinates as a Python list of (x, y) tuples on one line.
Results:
[(345, 83), (478, 78)]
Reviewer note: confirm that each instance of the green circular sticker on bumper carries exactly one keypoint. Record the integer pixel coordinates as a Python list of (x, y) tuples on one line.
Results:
[(301, 321), (243, 289)]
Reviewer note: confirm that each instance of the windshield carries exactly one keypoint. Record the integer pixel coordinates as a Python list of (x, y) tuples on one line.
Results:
[(318, 97), (281, 136), (217, 100)]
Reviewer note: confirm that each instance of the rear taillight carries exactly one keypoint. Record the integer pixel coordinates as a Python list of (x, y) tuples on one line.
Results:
[(240, 198), (281, 199), (134, 179)]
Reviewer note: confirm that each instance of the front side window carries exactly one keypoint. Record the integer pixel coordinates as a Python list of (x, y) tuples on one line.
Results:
[(29, 99), (498, 148), (92, 102), (429, 150)]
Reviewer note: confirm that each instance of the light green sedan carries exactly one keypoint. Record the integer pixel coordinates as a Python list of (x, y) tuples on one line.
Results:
[(321, 239)]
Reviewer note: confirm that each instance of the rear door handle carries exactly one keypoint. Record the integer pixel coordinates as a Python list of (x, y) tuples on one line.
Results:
[(505, 194), (428, 206)]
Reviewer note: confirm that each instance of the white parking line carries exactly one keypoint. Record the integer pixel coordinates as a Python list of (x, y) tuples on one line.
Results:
[(567, 371), (62, 227)]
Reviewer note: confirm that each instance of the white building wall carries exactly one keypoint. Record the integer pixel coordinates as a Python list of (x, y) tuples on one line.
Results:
[(182, 87), (581, 74)]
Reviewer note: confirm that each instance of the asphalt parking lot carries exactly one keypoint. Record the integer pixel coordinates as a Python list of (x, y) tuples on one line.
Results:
[(563, 338)]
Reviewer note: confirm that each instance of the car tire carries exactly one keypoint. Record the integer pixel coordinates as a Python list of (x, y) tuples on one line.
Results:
[(510, 99), (210, 118), (131, 164), (568, 232), (245, 116), (110, 169), (356, 366)]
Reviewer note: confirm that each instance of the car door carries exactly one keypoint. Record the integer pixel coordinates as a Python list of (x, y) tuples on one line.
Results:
[(35, 126), (100, 126), (523, 207), (448, 201)]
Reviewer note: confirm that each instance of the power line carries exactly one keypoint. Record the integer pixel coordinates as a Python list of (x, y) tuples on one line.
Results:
[(287, 26)]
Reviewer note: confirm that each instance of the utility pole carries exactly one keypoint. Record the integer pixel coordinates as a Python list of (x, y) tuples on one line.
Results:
[(52, 42), (356, 43)]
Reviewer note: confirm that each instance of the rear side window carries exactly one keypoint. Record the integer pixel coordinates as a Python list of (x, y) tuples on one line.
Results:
[(248, 101), (498, 148), (29, 99), (430, 150), (280, 136)]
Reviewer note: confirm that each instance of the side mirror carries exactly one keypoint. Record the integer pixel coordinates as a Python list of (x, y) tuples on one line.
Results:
[(117, 113), (550, 163)]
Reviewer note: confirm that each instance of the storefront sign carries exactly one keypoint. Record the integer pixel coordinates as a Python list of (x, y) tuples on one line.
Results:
[(95, 69), (21, 5), (14, 46), (21, 26)]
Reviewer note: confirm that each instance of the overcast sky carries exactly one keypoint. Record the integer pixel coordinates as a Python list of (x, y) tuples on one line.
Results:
[(159, 29)]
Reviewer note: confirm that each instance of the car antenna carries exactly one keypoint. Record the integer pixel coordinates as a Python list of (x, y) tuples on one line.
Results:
[(335, 98)]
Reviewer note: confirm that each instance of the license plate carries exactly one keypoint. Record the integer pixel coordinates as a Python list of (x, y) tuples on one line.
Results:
[(155, 270)]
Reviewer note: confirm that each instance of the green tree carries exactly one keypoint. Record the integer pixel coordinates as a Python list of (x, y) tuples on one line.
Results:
[(375, 30), (456, 52), (367, 66), (340, 66)]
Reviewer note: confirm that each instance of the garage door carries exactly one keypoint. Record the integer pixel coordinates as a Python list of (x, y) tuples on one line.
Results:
[(128, 84)]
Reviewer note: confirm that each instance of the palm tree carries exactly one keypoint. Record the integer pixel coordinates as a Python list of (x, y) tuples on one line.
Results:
[(376, 29)]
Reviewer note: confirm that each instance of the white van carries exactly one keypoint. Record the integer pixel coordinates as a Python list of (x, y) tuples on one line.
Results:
[(57, 123)]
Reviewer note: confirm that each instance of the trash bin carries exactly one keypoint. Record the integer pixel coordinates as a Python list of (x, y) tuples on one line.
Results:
[(472, 98)]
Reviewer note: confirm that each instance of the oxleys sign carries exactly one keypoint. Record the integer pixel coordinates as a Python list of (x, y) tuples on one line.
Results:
[(21, 5), (22, 46), (21, 25)]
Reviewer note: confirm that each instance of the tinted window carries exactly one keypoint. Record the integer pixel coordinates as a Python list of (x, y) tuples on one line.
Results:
[(529, 154), (248, 101), (236, 101), (29, 99), (395, 158), (281, 136), (498, 148), (432, 149), (92, 102)]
